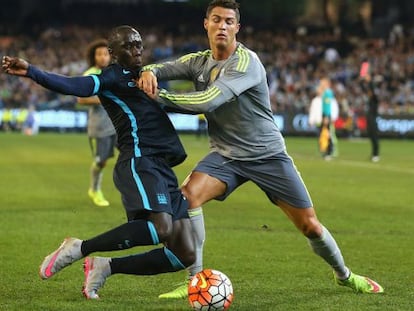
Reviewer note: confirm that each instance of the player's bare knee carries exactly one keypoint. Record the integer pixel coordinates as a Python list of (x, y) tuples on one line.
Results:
[(193, 198), (187, 258), (311, 229), (164, 231), (100, 164), (163, 225)]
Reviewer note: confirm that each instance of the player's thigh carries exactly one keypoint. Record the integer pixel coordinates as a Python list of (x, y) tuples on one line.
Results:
[(105, 147), (144, 184), (212, 178), (200, 188), (278, 178)]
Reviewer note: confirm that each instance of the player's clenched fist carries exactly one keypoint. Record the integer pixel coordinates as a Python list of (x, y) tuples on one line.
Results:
[(148, 83), (14, 66)]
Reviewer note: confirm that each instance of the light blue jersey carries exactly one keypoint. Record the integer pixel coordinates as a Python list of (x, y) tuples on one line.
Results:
[(327, 99)]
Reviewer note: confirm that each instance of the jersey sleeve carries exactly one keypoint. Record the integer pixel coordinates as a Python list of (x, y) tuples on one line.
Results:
[(92, 71), (242, 73), (180, 69), (77, 86)]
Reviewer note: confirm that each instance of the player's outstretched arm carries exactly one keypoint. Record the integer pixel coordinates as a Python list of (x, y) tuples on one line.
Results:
[(81, 86), (14, 66)]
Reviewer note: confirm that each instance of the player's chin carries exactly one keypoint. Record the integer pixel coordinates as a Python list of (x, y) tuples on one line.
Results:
[(137, 65), (222, 41), (221, 45)]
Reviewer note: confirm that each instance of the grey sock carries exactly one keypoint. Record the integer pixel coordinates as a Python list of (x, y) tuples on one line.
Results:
[(326, 247), (96, 177), (199, 233)]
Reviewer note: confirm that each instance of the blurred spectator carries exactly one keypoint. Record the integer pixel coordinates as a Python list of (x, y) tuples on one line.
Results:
[(294, 61), (31, 123)]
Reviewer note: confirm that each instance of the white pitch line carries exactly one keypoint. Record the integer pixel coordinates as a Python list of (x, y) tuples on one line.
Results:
[(375, 166)]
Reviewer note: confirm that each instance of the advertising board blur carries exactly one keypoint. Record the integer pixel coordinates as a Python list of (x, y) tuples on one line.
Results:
[(288, 123)]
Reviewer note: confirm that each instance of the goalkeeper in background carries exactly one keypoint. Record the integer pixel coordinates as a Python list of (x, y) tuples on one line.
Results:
[(101, 132)]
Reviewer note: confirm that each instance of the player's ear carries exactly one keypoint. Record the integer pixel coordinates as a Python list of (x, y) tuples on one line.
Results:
[(237, 28), (205, 23), (111, 53)]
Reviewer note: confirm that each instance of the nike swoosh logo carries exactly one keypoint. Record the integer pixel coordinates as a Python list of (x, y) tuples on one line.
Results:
[(375, 286), (48, 272), (125, 72), (203, 282)]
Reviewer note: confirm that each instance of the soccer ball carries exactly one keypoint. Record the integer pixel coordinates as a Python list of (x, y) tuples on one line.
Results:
[(210, 290)]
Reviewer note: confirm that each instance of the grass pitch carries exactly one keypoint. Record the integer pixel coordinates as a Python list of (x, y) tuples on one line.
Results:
[(367, 206)]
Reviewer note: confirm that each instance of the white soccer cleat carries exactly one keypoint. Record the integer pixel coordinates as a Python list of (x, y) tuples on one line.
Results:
[(96, 270), (67, 253)]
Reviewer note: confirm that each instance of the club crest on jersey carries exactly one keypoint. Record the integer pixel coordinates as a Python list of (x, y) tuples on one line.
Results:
[(162, 198), (131, 84)]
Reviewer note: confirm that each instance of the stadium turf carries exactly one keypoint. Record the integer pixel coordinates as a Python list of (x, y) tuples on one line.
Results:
[(367, 206)]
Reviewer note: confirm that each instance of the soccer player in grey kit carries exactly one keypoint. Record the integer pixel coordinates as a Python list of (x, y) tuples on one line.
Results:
[(245, 144), (101, 132)]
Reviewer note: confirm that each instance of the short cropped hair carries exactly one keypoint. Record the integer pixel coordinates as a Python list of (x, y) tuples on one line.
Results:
[(228, 4), (115, 35)]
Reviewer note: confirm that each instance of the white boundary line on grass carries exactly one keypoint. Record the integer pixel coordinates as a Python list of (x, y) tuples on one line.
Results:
[(375, 166)]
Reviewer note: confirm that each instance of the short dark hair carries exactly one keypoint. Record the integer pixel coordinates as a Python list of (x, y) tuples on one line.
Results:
[(91, 50), (228, 4), (116, 33)]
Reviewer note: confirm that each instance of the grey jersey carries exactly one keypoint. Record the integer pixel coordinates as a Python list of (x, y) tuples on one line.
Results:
[(234, 96), (99, 124)]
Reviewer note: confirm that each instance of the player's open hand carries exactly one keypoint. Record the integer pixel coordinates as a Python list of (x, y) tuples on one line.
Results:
[(14, 66), (148, 83)]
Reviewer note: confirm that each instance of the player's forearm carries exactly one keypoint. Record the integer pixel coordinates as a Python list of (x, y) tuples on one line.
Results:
[(77, 86), (169, 71), (93, 100), (196, 102)]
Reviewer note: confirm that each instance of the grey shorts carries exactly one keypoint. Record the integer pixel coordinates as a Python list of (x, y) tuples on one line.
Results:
[(277, 176), (102, 148)]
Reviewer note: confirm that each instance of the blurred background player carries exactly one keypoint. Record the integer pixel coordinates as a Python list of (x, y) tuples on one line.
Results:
[(326, 134), (367, 85), (328, 143), (101, 132)]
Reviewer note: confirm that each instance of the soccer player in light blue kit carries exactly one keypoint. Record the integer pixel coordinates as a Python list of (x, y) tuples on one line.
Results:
[(246, 145)]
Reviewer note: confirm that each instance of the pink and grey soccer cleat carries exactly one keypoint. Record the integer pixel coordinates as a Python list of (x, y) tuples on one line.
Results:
[(96, 270), (67, 253)]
